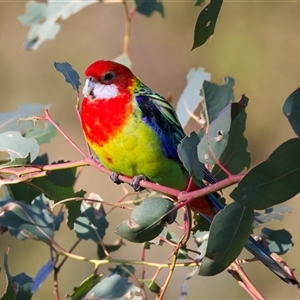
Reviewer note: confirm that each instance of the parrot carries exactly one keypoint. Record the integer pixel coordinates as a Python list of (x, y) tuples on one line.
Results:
[(136, 132)]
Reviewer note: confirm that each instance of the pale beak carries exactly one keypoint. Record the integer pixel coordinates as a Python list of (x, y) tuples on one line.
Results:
[(87, 90)]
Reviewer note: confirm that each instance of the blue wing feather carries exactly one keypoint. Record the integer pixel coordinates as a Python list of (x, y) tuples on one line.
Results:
[(169, 132)]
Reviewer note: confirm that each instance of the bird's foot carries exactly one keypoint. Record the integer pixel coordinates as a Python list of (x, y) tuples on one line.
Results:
[(115, 178), (135, 183)]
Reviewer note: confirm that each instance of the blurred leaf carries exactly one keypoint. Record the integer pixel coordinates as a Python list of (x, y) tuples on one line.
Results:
[(206, 22), (184, 287), (291, 109), (146, 221), (123, 270), (191, 98), (10, 121), (228, 234), (71, 76), (273, 181), (199, 2), (42, 18), (272, 213), (148, 7), (224, 141), (235, 157), (200, 237), (280, 241), (42, 275), (92, 223), (124, 60), (18, 287), (17, 146), (58, 185), (187, 151), (152, 285), (42, 135), (112, 287), (28, 221), (85, 287), (217, 97), (110, 248)]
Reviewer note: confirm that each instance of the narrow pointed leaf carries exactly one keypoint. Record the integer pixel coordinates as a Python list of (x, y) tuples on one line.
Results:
[(42, 275), (206, 22), (273, 181), (152, 286), (291, 109), (228, 234)]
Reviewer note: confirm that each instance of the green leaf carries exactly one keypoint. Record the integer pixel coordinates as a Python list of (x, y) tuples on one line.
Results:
[(112, 287), (190, 97), (206, 22), (147, 220), (10, 121), (199, 2), (92, 223), (225, 143), (148, 7), (71, 76), (42, 18), (280, 241), (228, 234), (217, 97), (235, 157), (273, 181), (109, 248), (17, 162), (85, 287), (17, 146), (42, 135), (18, 287), (272, 213), (123, 270), (58, 185), (291, 109), (187, 151), (28, 221), (152, 285)]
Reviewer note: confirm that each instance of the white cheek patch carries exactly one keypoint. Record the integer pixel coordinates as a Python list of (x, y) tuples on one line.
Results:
[(103, 91)]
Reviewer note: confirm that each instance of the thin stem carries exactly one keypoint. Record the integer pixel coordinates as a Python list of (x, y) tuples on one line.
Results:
[(127, 28)]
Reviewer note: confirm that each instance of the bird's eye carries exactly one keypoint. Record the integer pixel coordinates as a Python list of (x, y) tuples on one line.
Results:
[(108, 76)]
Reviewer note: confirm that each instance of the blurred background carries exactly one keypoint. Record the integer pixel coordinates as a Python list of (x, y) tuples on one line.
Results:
[(257, 43)]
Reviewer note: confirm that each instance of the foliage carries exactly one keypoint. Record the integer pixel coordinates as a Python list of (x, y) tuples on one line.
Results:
[(35, 192)]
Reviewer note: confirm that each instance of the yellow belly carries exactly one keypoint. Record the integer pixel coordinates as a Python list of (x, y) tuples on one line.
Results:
[(137, 150)]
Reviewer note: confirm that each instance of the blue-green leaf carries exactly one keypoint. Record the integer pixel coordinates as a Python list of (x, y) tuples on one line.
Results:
[(148, 7), (71, 76)]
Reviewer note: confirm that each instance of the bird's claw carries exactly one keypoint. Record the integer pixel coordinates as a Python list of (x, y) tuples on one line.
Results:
[(115, 178), (135, 183)]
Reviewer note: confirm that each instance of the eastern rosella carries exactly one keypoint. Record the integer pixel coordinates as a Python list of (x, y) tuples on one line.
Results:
[(135, 132)]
